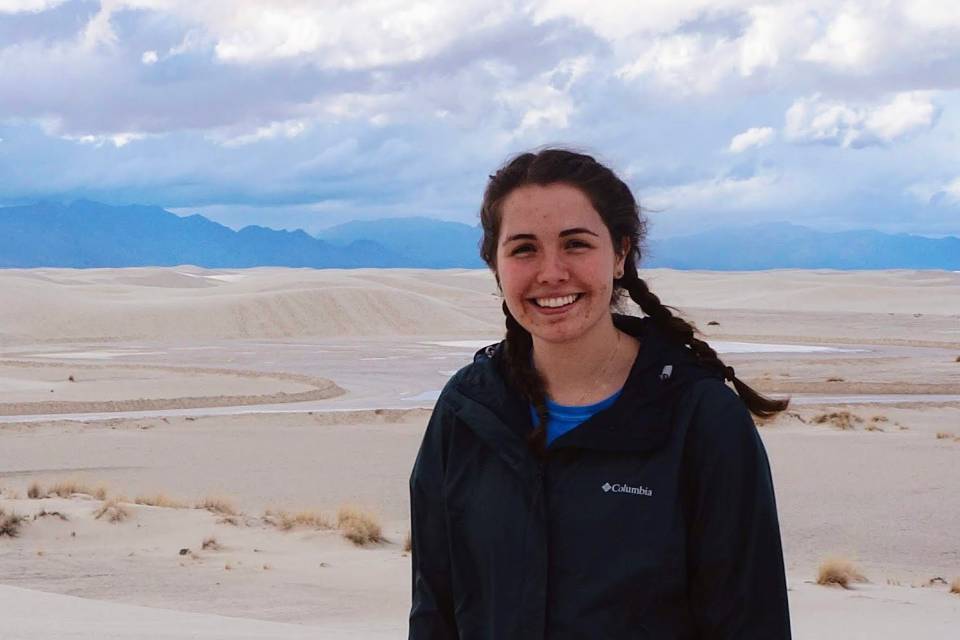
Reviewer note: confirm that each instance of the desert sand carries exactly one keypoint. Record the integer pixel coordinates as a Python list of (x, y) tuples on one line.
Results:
[(279, 391)]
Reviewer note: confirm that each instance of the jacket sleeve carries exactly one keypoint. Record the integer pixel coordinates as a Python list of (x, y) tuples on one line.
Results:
[(431, 612), (735, 560)]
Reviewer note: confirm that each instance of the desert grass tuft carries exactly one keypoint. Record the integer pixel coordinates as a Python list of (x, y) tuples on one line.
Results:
[(43, 513), (955, 586), (10, 524), (943, 435), (35, 491), (408, 542), (358, 526), (843, 420), (840, 572), (217, 504), (112, 510), (67, 488), (160, 500), (211, 544), (305, 518), (958, 359)]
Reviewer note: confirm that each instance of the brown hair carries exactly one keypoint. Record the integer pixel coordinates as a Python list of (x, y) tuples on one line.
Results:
[(621, 214)]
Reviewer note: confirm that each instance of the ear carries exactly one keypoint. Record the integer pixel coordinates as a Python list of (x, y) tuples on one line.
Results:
[(622, 253)]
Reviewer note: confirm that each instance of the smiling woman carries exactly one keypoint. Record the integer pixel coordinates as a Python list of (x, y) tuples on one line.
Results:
[(591, 475)]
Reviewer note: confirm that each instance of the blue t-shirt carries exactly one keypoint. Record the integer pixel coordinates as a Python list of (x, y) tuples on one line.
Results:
[(562, 418)]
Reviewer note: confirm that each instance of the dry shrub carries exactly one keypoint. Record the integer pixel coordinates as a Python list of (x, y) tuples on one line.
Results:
[(10, 524), (211, 544), (112, 510), (943, 435), (835, 380), (408, 542), (43, 513), (873, 426), (843, 420), (879, 419), (66, 489), (35, 491), (216, 504), (955, 586), (958, 359), (160, 500), (306, 518), (358, 526), (838, 571)]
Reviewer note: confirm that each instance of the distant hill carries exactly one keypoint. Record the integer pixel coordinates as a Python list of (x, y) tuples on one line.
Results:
[(424, 242), (90, 234), (788, 246)]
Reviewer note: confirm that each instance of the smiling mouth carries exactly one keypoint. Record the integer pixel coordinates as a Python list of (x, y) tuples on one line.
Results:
[(556, 302)]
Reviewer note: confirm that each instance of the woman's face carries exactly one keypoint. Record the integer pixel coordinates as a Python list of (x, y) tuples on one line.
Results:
[(555, 262)]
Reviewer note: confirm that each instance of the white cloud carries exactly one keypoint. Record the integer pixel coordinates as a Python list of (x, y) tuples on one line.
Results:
[(149, 57), (289, 129), (692, 63), (718, 193), (817, 120), (752, 137), (361, 34), (116, 139), (941, 192), (31, 6)]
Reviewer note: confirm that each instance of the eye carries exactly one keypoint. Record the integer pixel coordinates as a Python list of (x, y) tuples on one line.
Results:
[(521, 249), (575, 243)]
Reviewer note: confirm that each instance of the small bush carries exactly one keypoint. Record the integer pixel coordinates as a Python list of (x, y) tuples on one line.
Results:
[(943, 435), (840, 572), (408, 542), (843, 420), (879, 419), (35, 491), (219, 505), (211, 544), (113, 511), (955, 586), (835, 380), (10, 524), (359, 527), (43, 513), (160, 500)]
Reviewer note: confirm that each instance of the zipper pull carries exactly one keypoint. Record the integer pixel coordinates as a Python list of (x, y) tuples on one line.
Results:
[(666, 373)]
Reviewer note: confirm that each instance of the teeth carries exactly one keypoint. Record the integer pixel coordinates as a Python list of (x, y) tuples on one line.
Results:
[(556, 302)]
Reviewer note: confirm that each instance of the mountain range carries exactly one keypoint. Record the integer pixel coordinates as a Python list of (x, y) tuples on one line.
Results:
[(91, 234)]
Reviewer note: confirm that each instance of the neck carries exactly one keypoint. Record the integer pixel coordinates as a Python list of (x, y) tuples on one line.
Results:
[(573, 370)]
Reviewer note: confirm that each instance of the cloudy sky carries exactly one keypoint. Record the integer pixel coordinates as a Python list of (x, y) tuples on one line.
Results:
[(307, 113)]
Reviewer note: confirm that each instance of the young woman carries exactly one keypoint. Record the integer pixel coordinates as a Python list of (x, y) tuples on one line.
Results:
[(591, 476)]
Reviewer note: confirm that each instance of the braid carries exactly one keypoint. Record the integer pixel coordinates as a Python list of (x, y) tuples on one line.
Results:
[(526, 378), (684, 332)]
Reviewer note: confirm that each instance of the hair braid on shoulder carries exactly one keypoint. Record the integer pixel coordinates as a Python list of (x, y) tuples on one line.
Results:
[(685, 333), (524, 375)]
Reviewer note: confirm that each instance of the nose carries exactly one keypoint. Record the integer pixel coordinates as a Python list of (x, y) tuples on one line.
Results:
[(553, 268)]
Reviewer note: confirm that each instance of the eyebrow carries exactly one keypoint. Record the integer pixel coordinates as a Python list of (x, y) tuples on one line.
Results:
[(563, 234)]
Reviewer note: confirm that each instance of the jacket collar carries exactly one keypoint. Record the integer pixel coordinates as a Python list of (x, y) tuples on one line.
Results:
[(640, 419)]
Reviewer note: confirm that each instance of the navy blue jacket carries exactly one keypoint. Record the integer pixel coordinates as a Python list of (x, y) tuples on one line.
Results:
[(654, 519)]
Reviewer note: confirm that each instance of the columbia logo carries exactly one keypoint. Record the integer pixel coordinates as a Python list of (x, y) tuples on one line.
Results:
[(625, 488)]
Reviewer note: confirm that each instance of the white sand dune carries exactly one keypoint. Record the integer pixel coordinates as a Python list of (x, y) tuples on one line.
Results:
[(26, 615), (882, 492)]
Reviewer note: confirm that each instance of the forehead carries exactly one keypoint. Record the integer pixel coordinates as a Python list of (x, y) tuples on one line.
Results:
[(547, 208)]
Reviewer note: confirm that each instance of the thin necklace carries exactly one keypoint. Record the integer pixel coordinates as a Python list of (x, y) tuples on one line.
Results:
[(600, 374)]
